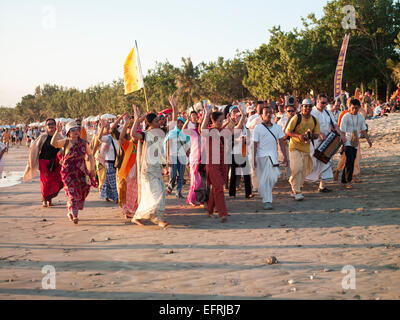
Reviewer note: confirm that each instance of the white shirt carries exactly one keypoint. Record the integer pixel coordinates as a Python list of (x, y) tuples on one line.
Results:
[(253, 121), (324, 119), (352, 123), (107, 148), (267, 144), (283, 122)]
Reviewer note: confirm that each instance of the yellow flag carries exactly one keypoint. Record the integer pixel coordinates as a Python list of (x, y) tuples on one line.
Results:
[(133, 78)]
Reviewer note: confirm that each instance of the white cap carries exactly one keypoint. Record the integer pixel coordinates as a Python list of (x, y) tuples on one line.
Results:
[(307, 101)]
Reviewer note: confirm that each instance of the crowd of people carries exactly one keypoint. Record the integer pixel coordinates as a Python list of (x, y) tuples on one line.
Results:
[(254, 142)]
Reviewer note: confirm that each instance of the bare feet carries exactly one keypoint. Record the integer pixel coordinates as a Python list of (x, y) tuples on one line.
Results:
[(250, 196), (336, 175), (163, 224), (44, 204), (223, 219), (211, 215), (50, 204), (137, 221), (70, 216), (76, 220), (194, 204)]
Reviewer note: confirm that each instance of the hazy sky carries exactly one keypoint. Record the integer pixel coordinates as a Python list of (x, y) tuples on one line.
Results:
[(82, 43)]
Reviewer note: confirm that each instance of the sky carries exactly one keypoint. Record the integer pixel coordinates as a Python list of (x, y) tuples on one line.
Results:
[(82, 43)]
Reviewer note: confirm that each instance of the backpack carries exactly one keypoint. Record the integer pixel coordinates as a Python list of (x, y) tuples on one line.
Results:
[(299, 120)]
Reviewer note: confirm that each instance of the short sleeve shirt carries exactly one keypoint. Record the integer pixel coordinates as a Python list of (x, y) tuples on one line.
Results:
[(302, 128), (267, 141), (352, 123)]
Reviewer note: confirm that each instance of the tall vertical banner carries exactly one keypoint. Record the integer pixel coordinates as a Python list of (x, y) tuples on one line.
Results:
[(340, 66), (133, 77)]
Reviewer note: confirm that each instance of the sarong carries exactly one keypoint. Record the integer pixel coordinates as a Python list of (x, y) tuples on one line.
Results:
[(109, 189), (320, 171), (131, 202), (50, 181), (195, 183), (267, 177), (75, 177)]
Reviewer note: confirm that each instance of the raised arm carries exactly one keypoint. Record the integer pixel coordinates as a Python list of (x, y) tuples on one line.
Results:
[(174, 108), (242, 118), (103, 125), (138, 120), (56, 142), (116, 122), (124, 129), (185, 125), (206, 118)]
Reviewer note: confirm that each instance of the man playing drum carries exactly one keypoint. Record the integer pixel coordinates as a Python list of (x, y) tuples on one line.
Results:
[(327, 123)]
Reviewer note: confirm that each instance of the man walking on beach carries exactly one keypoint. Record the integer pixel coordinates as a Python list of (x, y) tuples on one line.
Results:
[(323, 171), (302, 129), (352, 123), (266, 137)]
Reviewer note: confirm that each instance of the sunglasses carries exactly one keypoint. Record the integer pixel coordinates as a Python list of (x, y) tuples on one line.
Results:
[(323, 102), (51, 124), (291, 111), (307, 105)]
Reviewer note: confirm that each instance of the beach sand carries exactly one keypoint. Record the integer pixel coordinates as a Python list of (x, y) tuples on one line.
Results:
[(201, 258)]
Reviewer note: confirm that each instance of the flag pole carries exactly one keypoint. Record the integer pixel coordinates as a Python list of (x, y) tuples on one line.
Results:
[(140, 67), (145, 97)]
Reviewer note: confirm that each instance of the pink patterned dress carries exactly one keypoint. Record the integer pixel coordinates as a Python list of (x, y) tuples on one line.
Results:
[(75, 177)]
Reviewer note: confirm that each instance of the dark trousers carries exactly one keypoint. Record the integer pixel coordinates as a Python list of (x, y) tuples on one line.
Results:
[(351, 153), (233, 180), (177, 173)]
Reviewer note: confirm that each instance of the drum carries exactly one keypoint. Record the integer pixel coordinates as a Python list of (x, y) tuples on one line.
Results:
[(327, 149)]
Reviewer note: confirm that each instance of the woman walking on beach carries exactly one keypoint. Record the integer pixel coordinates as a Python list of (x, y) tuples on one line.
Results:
[(45, 158), (151, 188), (127, 172), (191, 126), (109, 191), (77, 178), (216, 169)]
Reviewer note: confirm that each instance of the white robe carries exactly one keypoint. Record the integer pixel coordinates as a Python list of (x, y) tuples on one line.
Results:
[(267, 176)]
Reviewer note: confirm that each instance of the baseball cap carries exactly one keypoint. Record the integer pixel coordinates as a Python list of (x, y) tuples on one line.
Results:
[(307, 101)]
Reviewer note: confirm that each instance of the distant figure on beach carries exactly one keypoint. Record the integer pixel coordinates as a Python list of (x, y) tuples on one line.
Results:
[(6, 138), (45, 158), (3, 149)]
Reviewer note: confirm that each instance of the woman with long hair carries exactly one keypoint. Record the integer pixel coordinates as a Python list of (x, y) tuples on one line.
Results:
[(76, 176)]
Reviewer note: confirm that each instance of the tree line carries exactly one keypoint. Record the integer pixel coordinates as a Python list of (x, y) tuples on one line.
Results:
[(301, 62)]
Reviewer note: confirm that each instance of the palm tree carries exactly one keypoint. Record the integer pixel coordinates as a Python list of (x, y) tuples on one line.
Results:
[(187, 83)]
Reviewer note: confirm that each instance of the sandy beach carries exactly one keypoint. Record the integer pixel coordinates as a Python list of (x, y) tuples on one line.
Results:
[(198, 257)]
